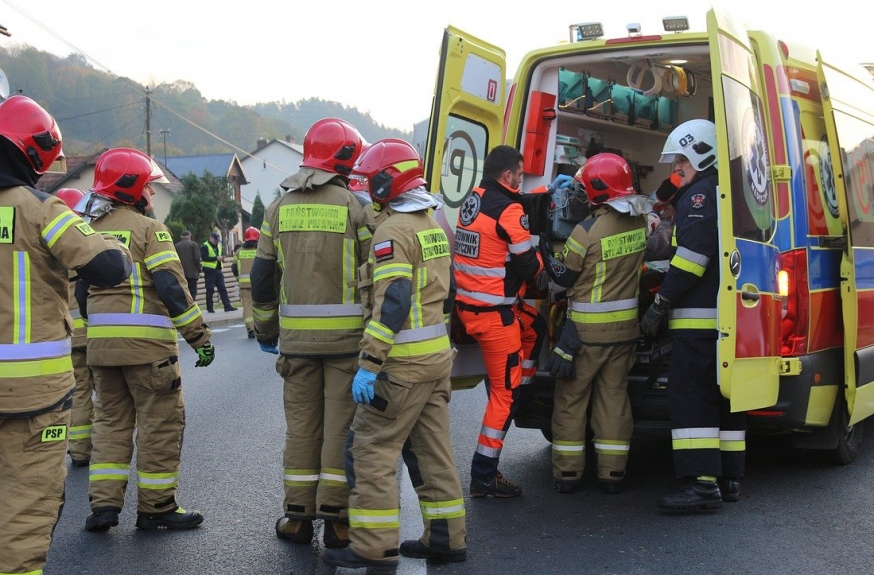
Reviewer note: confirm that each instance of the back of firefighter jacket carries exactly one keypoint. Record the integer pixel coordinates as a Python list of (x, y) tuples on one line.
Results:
[(317, 236), (135, 322), (243, 259), (607, 249), (494, 256), (409, 267), (40, 240)]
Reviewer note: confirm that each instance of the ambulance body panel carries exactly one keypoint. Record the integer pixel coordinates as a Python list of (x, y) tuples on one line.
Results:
[(795, 285)]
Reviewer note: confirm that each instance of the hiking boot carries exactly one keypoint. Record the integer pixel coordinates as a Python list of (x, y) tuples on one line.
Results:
[(336, 535), (101, 520), (696, 495), (348, 558), (499, 486), (730, 490), (295, 530), (565, 486), (610, 487), (418, 550), (175, 520)]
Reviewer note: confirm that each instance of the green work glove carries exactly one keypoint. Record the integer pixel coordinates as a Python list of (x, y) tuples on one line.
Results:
[(205, 355)]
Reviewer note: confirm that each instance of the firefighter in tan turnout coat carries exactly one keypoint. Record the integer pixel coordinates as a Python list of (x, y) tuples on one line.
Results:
[(312, 241), (402, 384), (134, 354), (40, 240)]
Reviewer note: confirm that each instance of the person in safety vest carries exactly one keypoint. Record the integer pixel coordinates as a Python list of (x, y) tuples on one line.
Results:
[(600, 266), (402, 385), (494, 257), (133, 352), (320, 230), (709, 442), (83, 407), (40, 240), (242, 266), (211, 259)]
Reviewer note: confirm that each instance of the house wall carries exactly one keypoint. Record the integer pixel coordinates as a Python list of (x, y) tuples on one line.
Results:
[(161, 200), (281, 162)]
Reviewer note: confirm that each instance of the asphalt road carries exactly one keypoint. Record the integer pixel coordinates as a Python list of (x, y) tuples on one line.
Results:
[(795, 515)]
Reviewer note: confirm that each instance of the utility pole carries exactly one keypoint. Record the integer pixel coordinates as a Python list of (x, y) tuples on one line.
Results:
[(165, 133), (148, 122)]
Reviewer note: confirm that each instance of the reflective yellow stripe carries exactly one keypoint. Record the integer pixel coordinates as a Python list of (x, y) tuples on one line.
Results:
[(138, 332), (313, 218), (380, 332), (320, 323), (80, 432), (604, 317), (442, 509), (263, 315), (333, 476), (598, 284), (732, 445), (692, 323), (21, 297), (159, 258), (136, 302), (37, 572), (611, 447), (415, 348), (265, 229), (79, 323), (416, 319), (147, 480), (301, 477), (569, 448), (364, 234), (388, 271), (374, 518), (37, 367), (349, 271), (696, 443), (56, 228), (687, 265), (572, 245), (187, 316), (108, 472)]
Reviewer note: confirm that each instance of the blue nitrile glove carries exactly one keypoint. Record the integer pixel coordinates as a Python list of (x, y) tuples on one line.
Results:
[(205, 355), (563, 181), (269, 346), (652, 319), (561, 362), (362, 386)]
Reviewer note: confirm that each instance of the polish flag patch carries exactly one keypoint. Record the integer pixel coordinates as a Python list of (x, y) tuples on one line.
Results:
[(384, 250)]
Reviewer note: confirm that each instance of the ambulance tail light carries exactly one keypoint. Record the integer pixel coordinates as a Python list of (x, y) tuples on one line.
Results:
[(795, 295)]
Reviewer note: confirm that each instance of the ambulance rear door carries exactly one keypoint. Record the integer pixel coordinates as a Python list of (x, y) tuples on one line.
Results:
[(749, 307), (848, 105), (466, 122)]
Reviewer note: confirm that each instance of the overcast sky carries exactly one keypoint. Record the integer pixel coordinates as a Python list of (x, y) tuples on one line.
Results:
[(378, 56)]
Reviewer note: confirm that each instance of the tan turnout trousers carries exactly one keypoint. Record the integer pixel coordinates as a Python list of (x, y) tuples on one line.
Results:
[(83, 408)]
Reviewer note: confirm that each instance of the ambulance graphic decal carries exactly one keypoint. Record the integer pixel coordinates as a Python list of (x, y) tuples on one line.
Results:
[(827, 175)]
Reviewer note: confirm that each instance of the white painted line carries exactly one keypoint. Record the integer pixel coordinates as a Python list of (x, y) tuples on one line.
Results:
[(411, 523)]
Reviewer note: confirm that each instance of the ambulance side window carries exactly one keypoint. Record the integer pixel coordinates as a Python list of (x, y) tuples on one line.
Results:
[(857, 159), (752, 197)]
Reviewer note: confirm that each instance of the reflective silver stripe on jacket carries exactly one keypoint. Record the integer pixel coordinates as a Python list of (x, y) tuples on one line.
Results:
[(693, 313), (619, 305), (420, 333), (481, 271), (39, 350), (487, 298), (519, 248), (324, 310), (148, 319)]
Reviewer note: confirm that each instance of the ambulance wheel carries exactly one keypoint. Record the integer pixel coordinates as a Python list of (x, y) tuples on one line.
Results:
[(846, 438)]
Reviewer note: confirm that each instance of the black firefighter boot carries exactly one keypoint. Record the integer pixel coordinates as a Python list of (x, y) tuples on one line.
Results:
[(176, 520), (695, 495)]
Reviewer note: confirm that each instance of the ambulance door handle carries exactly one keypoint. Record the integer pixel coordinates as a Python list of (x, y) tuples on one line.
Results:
[(749, 295)]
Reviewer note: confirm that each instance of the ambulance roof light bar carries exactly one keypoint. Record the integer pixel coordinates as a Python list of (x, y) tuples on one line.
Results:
[(675, 23), (585, 31)]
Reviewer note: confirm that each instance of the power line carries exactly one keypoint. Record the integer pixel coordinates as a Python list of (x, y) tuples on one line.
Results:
[(59, 120)]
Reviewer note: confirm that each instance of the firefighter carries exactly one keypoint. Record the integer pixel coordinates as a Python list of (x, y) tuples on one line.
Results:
[(402, 384), (83, 406), (600, 266), (494, 257), (40, 240), (312, 241), (708, 440), (241, 268), (134, 354), (211, 259)]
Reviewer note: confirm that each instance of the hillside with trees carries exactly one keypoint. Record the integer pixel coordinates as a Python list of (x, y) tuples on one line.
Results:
[(96, 110)]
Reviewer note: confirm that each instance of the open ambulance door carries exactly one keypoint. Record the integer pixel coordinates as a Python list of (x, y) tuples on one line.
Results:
[(467, 117), (749, 308), (848, 105)]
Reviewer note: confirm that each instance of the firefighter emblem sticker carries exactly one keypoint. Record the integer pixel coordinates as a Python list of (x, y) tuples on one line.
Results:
[(470, 209), (697, 201)]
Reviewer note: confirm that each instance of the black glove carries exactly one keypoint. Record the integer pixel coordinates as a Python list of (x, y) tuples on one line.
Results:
[(561, 360), (545, 247), (652, 319)]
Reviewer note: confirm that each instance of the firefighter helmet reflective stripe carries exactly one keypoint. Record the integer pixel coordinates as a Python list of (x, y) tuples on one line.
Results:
[(122, 174), (157, 174), (70, 196), (251, 234), (607, 177), (695, 139), (391, 167), (332, 145), (33, 131)]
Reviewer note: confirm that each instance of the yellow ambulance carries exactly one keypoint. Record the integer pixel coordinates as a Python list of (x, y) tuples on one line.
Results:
[(796, 192)]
